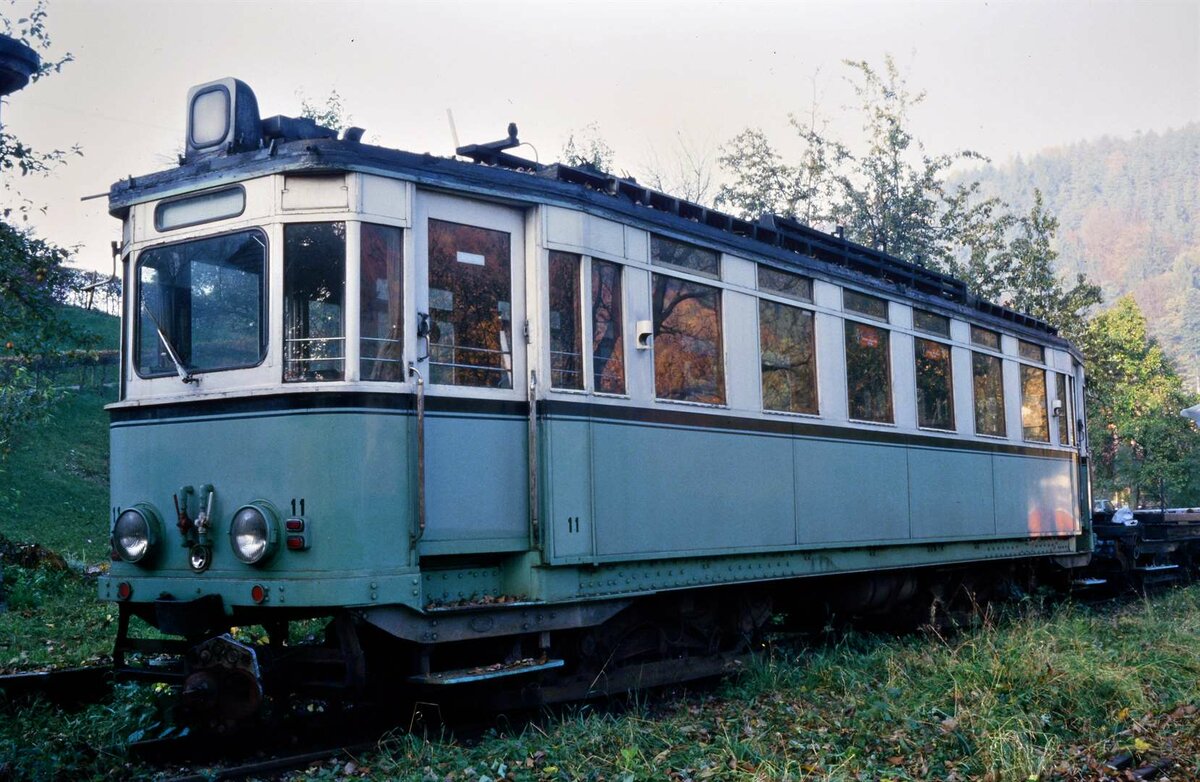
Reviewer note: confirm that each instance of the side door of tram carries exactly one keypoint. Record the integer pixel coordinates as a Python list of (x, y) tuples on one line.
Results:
[(470, 304)]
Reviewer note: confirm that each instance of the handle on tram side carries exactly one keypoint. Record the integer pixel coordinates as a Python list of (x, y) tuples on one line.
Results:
[(420, 399)]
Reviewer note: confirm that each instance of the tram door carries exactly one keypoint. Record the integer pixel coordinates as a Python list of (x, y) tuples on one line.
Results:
[(470, 307)]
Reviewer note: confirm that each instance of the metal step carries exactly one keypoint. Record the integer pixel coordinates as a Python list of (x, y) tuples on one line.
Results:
[(1155, 568), (485, 673), (1083, 583)]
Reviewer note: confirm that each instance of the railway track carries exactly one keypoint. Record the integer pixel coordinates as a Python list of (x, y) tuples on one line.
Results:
[(64, 686)]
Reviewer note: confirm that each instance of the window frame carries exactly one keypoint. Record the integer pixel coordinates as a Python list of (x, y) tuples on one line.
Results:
[(405, 284), (651, 236), (345, 222), (949, 345), (589, 356), (663, 270), (1021, 367), (998, 356), (786, 301), (583, 268), (891, 375), (135, 299)]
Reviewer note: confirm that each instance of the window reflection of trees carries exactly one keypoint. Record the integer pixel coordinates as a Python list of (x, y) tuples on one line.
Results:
[(470, 341), (566, 345), (988, 383), (688, 362), (935, 385), (784, 283), (1035, 422), (314, 292), (608, 347), (868, 373), (1063, 414), (381, 301), (789, 368), (207, 295), (685, 256)]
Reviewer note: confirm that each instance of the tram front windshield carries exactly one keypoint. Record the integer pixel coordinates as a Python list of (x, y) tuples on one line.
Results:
[(204, 302)]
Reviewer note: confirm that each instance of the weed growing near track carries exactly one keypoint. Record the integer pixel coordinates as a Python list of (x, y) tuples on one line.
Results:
[(1050, 694)]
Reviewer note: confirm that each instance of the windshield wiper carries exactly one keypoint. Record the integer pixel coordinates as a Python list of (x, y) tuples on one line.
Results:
[(184, 375)]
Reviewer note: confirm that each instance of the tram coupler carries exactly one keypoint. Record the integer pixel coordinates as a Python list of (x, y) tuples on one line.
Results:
[(223, 684)]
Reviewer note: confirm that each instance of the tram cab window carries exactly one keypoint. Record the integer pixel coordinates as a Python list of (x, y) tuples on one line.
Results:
[(566, 341), (205, 299), (688, 352), (314, 294), (1035, 423), (1063, 411), (608, 345), (470, 301), (668, 252), (987, 380), (381, 304), (868, 373)]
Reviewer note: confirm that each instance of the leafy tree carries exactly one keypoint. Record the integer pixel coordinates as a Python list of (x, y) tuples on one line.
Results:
[(31, 269), (331, 113), (1138, 438), (895, 196), (687, 173), (1035, 287), (586, 147)]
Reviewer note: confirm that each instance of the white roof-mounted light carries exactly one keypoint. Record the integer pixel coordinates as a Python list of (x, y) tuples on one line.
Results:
[(222, 117)]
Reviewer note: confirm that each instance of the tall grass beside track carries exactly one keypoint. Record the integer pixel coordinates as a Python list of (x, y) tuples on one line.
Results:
[(1049, 694)]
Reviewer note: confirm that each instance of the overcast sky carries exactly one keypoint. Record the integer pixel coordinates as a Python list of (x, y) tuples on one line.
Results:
[(1003, 78)]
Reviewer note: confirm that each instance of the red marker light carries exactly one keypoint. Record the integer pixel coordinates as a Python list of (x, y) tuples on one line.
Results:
[(295, 542), (258, 593), (124, 590), (294, 525)]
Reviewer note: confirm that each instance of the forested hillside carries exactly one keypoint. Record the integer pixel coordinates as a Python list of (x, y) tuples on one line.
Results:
[(1129, 214)]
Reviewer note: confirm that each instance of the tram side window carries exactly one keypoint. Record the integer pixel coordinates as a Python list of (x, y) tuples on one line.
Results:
[(1035, 423), (935, 384), (205, 299), (1063, 414), (868, 373), (608, 345), (988, 384), (787, 347), (566, 342), (314, 293), (381, 303), (669, 252), (470, 304), (688, 353)]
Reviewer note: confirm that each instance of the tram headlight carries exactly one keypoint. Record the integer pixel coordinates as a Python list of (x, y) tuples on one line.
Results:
[(135, 535), (254, 534)]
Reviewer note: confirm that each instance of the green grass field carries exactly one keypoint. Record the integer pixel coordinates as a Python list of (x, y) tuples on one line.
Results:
[(1048, 691)]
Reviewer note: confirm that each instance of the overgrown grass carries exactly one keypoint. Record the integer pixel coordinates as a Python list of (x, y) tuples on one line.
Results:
[(54, 484), (1048, 695)]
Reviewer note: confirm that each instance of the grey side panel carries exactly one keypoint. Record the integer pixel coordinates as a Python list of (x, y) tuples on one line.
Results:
[(851, 492), (476, 481), (667, 489), (1033, 497), (951, 494)]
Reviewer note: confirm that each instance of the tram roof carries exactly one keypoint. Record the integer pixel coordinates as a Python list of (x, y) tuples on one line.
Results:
[(778, 240)]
